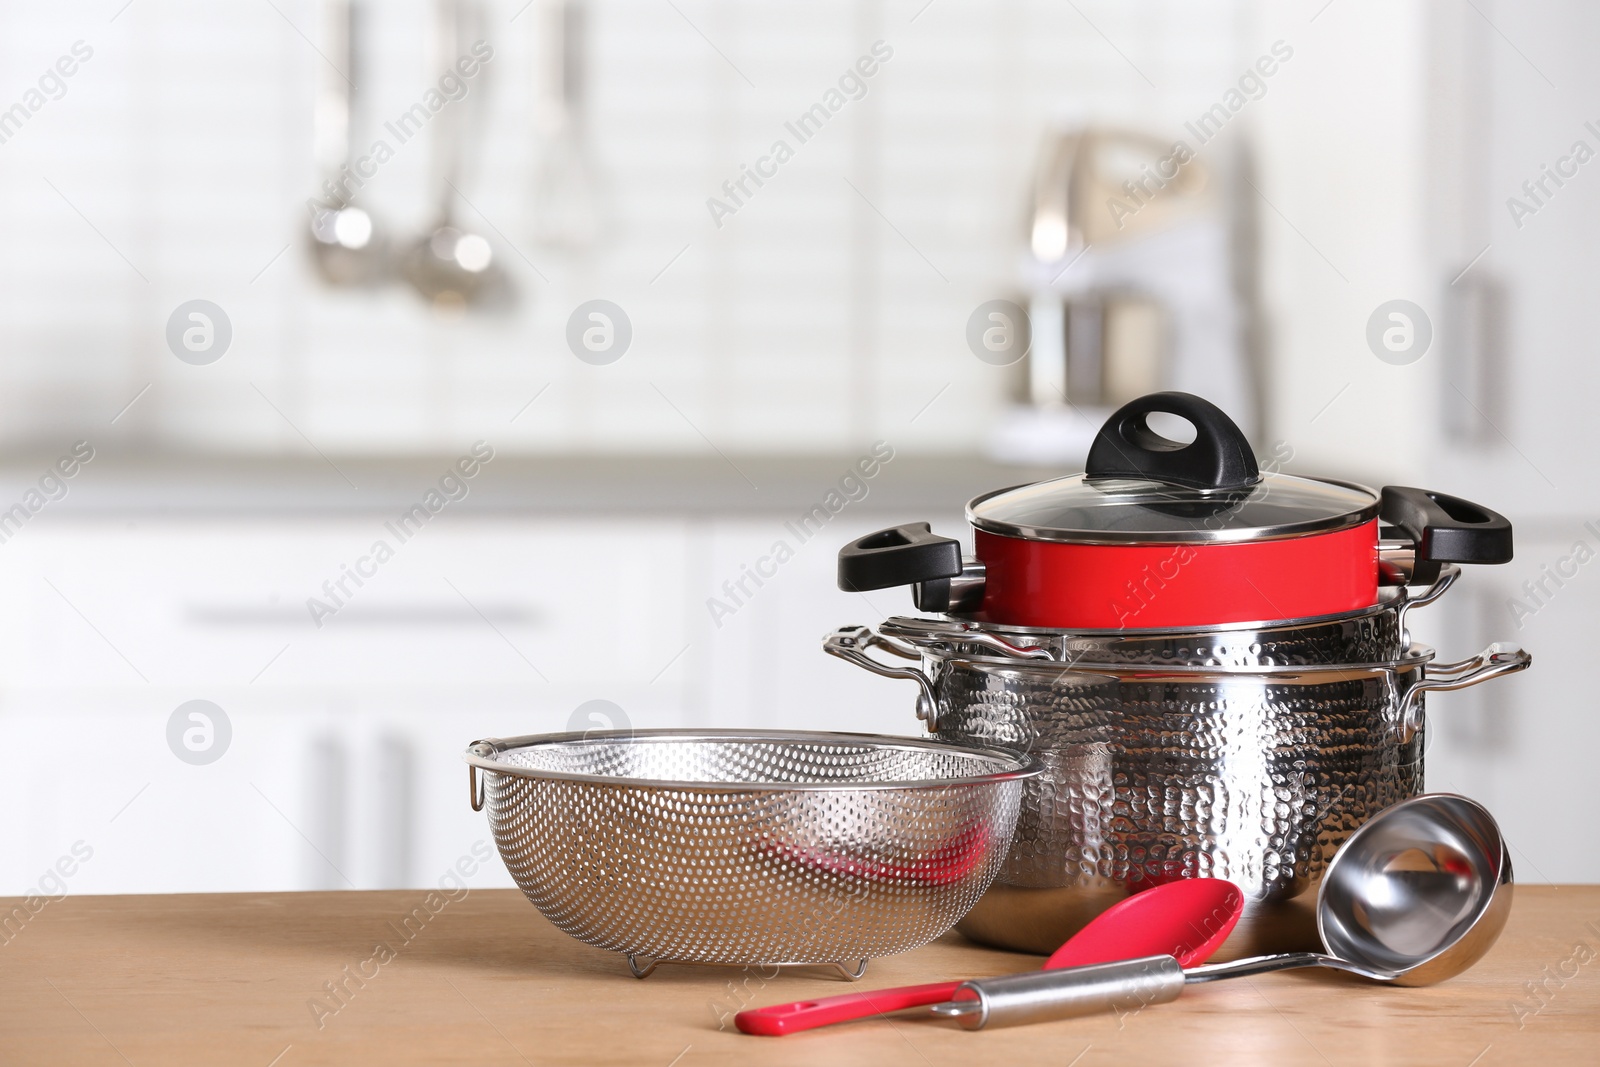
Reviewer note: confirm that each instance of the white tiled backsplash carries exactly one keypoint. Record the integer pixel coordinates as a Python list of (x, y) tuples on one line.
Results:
[(828, 311)]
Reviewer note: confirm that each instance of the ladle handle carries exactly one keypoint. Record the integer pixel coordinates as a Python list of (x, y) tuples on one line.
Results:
[(331, 121), (1125, 988), (1253, 965)]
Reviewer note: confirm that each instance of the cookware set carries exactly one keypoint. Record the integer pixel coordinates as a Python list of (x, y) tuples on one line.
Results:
[(1212, 663), (1173, 667)]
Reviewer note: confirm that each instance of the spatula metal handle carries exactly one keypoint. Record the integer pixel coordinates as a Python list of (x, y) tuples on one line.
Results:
[(1040, 996)]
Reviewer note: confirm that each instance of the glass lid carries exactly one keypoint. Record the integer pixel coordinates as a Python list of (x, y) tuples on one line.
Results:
[(1125, 510)]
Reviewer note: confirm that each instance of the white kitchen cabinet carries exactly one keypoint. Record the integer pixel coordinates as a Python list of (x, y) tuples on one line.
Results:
[(1458, 110), (1524, 745), (474, 628), (1516, 248), (551, 606)]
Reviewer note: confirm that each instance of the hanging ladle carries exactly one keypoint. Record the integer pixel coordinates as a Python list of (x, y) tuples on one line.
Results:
[(346, 245), (451, 265), (1415, 896)]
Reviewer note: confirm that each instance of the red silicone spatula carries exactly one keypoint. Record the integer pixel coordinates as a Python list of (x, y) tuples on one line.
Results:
[(1189, 918)]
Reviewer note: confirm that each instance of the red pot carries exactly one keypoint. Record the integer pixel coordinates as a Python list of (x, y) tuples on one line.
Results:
[(1162, 535)]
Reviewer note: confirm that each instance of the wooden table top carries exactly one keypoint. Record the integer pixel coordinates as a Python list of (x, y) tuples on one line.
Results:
[(241, 979)]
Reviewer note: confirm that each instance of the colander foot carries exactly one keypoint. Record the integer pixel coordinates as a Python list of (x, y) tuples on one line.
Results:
[(641, 966), (852, 975)]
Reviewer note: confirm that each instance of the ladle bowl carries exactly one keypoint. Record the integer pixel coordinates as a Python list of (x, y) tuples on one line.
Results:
[(1419, 893), (451, 266), (347, 247)]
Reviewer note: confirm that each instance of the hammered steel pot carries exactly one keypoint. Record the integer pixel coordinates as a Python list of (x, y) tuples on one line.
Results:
[(1253, 774), (752, 848)]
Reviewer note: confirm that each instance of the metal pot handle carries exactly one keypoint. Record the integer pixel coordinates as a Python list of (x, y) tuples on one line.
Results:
[(850, 643), (1448, 573), (966, 633), (1497, 659)]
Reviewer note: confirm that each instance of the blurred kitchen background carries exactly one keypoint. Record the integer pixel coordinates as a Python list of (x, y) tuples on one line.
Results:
[(968, 162)]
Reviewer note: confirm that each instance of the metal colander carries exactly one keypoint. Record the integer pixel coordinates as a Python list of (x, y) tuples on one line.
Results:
[(749, 847)]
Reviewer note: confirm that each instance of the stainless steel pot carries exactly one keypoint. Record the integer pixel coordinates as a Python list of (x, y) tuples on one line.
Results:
[(1254, 774)]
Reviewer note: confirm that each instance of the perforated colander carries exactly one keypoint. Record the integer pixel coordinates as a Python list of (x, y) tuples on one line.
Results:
[(749, 847)]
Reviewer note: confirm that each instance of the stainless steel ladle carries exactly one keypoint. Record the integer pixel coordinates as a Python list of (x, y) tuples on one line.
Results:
[(346, 244), (1415, 896), (450, 265)]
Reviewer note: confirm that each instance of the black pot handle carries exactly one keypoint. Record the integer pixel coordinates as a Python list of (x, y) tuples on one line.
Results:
[(900, 555), (1219, 457), (1445, 529)]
